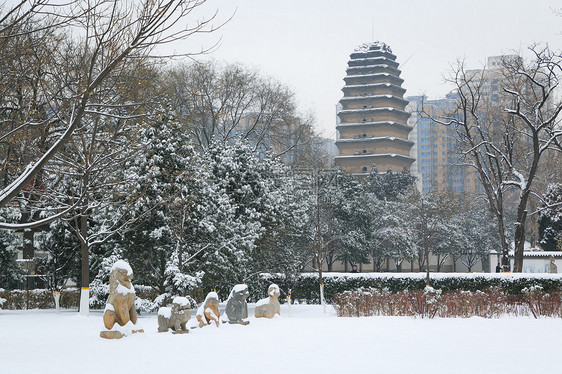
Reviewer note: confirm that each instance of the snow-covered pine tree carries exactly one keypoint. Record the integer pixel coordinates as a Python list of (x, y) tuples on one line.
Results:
[(164, 200), (389, 185), (10, 270), (255, 194), (550, 219)]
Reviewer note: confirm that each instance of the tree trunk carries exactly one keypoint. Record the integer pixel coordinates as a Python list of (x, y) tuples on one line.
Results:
[(28, 248), (519, 242), (85, 264)]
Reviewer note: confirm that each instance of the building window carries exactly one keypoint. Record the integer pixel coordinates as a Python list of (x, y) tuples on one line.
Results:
[(364, 170)]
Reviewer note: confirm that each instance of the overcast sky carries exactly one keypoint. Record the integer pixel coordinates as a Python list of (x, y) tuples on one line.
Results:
[(305, 44)]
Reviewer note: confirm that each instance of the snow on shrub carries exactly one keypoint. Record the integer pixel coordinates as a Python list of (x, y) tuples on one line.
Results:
[(429, 303)]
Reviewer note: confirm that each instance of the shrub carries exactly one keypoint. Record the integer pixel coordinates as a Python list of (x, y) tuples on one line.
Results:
[(305, 288), (491, 303)]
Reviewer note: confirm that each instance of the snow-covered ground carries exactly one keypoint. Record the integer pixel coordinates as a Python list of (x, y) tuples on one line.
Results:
[(42, 341)]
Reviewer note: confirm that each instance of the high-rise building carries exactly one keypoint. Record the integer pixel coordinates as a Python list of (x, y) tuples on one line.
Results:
[(440, 165), (372, 126)]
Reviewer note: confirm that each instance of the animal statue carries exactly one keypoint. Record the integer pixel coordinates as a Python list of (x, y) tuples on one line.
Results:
[(209, 310), (120, 306), (176, 317), (268, 307), (236, 306)]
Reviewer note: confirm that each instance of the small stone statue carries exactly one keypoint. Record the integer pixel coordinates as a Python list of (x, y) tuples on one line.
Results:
[(209, 310), (120, 307), (268, 307), (553, 268), (236, 306), (176, 317)]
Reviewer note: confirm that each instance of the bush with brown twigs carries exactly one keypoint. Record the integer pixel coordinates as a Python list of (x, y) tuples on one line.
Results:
[(429, 303)]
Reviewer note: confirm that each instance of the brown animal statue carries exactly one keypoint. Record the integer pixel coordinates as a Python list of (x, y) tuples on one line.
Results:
[(209, 311), (269, 307), (120, 307)]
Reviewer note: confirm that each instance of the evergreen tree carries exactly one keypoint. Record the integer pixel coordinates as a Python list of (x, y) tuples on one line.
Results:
[(550, 219), (10, 270), (389, 185), (164, 199), (63, 262), (259, 213)]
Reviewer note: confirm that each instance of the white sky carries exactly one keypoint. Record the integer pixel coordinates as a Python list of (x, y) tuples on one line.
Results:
[(306, 43)]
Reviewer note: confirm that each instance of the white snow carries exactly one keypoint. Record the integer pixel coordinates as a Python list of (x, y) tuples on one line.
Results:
[(165, 312), (120, 264), (200, 310), (211, 314), (274, 289), (211, 295), (308, 342), (109, 307), (124, 290), (239, 287), (262, 302), (181, 301)]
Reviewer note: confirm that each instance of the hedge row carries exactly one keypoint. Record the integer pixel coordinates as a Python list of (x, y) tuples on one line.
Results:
[(43, 299), (304, 288)]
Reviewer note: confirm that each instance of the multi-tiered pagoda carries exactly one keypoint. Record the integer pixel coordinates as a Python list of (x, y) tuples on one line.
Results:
[(373, 126)]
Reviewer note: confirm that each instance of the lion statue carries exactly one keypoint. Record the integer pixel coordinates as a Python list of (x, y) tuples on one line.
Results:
[(120, 307), (236, 306), (176, 317), (209, 310), (268, 307)]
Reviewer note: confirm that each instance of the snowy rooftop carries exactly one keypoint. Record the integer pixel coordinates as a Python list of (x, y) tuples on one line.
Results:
[(351, 98), (374, 46), (378, 123), (371, 66), (376, 75), (348, 86), (379, 138), (377, 155), (385, 109)]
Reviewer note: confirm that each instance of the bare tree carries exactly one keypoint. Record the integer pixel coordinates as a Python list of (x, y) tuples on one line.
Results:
[(105, 35), (219, 102), (505, 132)]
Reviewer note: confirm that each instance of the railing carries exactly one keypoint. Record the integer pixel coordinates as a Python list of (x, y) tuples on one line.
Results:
[(27, 282)]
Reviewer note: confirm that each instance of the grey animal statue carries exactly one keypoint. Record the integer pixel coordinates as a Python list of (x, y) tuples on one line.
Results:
[(236, 306), (176, 317)]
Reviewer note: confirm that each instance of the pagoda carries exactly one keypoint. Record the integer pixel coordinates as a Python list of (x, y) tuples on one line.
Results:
[(372, 126)]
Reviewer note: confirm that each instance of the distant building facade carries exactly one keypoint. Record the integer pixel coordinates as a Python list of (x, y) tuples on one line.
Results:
[(372, 128), (283, 137), (439, 165)]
